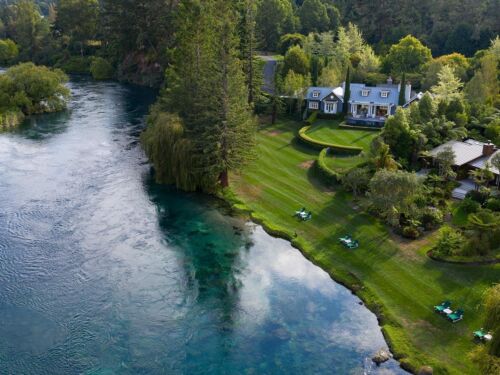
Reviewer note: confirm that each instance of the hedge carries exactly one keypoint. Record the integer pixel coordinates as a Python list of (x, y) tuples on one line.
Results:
[(329, 176), (346, 126), (321, 145)]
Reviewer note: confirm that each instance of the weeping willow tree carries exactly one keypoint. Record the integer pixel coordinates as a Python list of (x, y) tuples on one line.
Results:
[(202, 127), (170, 152)]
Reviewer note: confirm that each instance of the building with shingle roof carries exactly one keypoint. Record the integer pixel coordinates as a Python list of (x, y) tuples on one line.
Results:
[(367, 106)]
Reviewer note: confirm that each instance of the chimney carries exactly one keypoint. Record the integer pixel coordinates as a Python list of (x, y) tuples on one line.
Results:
[(488, 149), (389, 80), (408, 92)]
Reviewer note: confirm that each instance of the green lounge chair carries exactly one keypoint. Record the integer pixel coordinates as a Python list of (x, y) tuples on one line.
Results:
[(346, 238), (353, 245), (299, 213), (479, 334), (456, 316), (443, 306)]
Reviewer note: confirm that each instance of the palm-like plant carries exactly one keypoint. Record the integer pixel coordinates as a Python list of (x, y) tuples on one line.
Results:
[(481, 176)]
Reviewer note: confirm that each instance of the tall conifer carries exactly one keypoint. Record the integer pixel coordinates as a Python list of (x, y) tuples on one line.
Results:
[(347, 92)]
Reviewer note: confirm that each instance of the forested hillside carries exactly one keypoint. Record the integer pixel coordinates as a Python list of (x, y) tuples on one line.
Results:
[(446, 26)]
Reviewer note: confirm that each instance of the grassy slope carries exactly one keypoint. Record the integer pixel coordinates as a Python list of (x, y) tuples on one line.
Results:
[(401, 283)]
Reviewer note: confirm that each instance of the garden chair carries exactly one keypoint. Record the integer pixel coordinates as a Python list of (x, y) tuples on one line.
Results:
[(456, 316)]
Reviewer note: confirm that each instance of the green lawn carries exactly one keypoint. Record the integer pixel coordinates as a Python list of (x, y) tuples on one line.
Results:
[(329, 131), (343, 163), (398, 281)]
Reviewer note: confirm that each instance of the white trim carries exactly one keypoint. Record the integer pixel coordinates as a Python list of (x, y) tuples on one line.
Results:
[(330, 107), (313, 105)]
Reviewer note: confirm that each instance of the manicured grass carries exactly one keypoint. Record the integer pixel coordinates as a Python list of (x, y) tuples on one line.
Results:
[(343, 163), (329, 131), (400, 283)]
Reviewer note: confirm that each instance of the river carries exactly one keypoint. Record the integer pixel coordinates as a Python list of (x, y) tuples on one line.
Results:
[(104, 272)]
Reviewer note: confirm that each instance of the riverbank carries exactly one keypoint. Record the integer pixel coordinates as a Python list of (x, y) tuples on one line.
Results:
[(397, 282)]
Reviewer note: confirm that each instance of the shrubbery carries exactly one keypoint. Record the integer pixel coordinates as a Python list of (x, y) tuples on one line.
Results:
[(431, 218), (8, 51), (449, 242), (101, 69), (29, 89), (76, 65), (469, 206)]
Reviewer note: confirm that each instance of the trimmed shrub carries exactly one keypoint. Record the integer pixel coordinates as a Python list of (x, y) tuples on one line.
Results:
[(329, 176), (320, 145), (101, 69)]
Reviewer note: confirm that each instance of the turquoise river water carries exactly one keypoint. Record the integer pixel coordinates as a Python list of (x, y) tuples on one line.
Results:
[(104, 272)]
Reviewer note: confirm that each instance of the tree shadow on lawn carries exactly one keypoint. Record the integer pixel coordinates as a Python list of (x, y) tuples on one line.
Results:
[(318, 184), (460, 280), (361, 138)]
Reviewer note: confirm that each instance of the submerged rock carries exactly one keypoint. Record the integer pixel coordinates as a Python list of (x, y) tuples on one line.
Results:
[(381, 356)]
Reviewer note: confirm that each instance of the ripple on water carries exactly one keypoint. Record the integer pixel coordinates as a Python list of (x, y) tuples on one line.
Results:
[(27, 331)]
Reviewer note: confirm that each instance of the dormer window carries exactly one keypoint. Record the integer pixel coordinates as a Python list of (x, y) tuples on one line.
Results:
[(315, 94), (384, 94), (365, 92)]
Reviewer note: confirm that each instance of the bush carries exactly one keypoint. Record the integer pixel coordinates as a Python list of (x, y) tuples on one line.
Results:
[(101, 69), (312, 118), (411, 232), (480, 196), (493, 204), (449, 242), (75, 65), (431, 218), (469, 206), (8, 51)]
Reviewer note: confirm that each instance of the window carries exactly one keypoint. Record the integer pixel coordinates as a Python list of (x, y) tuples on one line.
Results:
[(313, 105), (315, 94), (330, 107), (365, 92), (384, 94)]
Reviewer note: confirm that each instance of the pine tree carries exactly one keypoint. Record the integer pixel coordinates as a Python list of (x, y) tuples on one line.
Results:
[(347, 93), (402, 90), (234, 128), (206, 87), (248, 45)]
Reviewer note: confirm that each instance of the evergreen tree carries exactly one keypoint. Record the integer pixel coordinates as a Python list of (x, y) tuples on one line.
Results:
[(248, 45), (402, 90), (347, 93), (206, 87)]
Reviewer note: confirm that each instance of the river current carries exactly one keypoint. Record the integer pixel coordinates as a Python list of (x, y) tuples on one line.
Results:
[(102, 271)]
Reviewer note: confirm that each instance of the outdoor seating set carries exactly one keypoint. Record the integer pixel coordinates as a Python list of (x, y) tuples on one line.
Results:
[(349, 242), (303, 214), (452, 316)]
